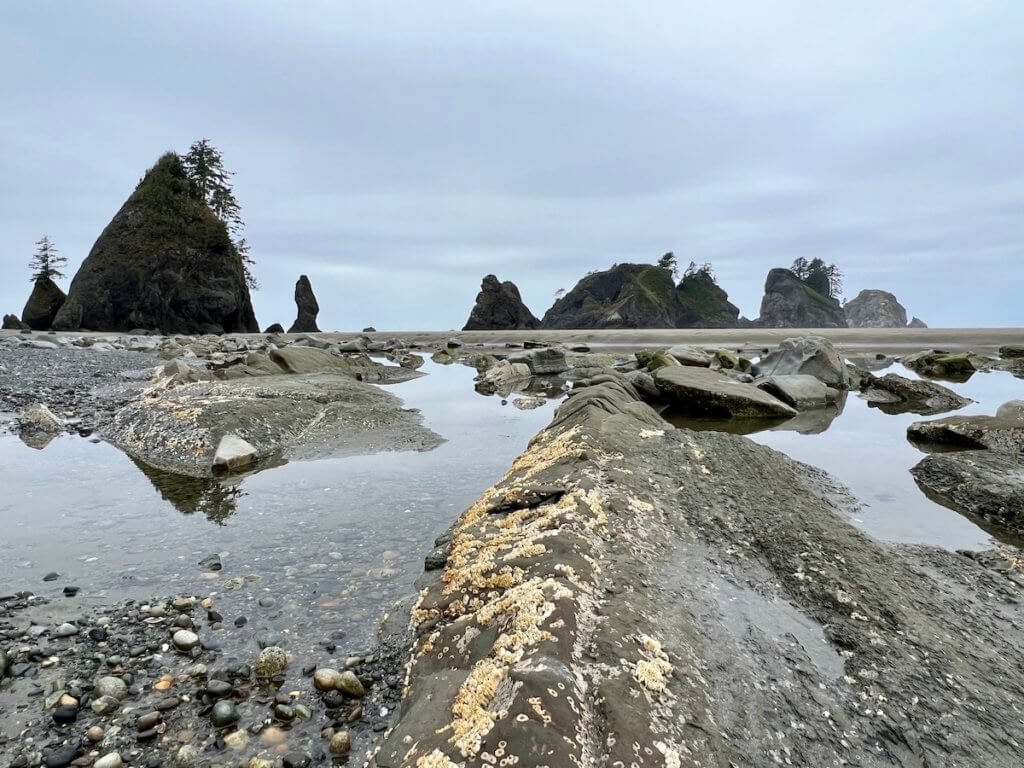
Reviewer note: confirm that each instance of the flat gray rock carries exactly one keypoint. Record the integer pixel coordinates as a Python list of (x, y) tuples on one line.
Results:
[(987, 484), (798, 390), (703, 392), (893, 393), (810, 355), (993, 432)]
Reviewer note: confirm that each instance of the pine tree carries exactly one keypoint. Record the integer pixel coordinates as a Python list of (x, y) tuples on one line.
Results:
[(668, 263), (46, 263), (205, 167)]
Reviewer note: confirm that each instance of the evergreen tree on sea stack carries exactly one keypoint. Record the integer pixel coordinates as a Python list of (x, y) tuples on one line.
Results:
[(46, 262), (205, 166)]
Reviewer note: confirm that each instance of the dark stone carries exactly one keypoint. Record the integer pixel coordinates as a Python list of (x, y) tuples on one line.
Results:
[(65, 715), (334, 699), (499, 307), (42, 305), (60, 757), (224, 714), (71, 591), (51, 576), (165, 261), (875, 309), (790, 303), (305, 302), (211, 563), (296, 760), (275, 328)]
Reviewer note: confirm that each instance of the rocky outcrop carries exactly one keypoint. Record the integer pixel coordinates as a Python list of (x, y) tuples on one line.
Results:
[(895, 394), (710, 394), (499, 307), (810, 355), (703, 303), (12, 323), (274, 328), (986, 484), (917, 322), (42, 305), (307, 306), (799, 391), (998, 433), (625, 296), (875, 309), (164, 262), (629, 593), (790, 303), (938, 364)]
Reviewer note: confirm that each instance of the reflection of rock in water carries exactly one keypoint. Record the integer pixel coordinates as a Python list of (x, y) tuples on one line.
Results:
[(810, 422), (215, 498), (538, 386), (37, 440)]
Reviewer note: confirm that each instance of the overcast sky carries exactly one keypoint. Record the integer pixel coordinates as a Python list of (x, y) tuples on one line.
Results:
[(398, 152)]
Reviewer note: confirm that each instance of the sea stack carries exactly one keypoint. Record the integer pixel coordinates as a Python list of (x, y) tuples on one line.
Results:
[(790, 303), (164, 262), (43, 304), (875, 309), (306, 304), (499, 307)]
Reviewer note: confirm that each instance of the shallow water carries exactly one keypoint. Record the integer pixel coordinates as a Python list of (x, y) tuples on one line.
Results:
[(330, 542)]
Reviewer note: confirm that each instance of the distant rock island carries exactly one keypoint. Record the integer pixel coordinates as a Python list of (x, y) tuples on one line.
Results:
[(165, 262), (872, 308), (499, 307), (43, 304), (789, 302), (306, 306)]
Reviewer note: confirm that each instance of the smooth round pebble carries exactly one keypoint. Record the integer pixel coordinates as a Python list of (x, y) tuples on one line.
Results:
[(185, 640)]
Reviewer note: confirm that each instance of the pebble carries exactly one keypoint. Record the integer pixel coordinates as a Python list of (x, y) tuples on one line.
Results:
[(65, 715), (61, 756), (95, 734), (185, 640), (271, 661), (272, 735), (66, 630), (237, 740), (147, 721), (187, 755), (326, 679), (104, 705), (218, 689), (261, 762), (112, 760), (348, 683), (114, 687), (341, 743), (224, 714)]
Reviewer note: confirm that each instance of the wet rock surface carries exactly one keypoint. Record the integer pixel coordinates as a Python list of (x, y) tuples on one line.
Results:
[(985, 484), (699, 600), (893, 393)]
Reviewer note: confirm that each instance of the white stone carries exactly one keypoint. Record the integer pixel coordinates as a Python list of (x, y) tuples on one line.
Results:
[(233, 453)]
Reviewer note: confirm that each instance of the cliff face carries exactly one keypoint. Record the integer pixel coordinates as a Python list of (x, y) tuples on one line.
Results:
[(499, 307), (164, 262), (625, 296), (790, 303), (703, 304), (875, 309), (43, 304)]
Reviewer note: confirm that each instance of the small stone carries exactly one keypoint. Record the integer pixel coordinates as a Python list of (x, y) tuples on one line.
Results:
[(114, 687), (185, 640), (334, 699), (349, 684), (147, 721), (284, 712), (187, 755), (211, 563), (326, 679), (66, 630), (95, 734), (272, 735), (341, 743), (261, 762), (237, 740), (112, 760), (218, 689), (224, 714), (60, 757), (65, 715), (104, 705), (67, 700), (51, 576), (271, 661), (71, 591), (233, 453)]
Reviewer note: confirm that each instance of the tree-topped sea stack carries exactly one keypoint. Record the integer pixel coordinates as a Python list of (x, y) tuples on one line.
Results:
[(164, 262), (499, 307), (307, 306), (790, 302), (625, 296), (46, 298), (704, 303)]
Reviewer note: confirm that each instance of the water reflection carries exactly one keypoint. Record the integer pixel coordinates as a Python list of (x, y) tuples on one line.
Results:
[(216, 498)]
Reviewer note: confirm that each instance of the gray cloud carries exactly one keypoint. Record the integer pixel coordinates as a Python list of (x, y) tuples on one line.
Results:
[(398, 152)]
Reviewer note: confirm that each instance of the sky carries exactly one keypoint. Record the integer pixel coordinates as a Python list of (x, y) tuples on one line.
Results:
[(397, 152)]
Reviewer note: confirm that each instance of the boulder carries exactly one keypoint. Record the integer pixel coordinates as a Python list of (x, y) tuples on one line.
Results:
[(306, 304), (688, 355), (499, 307), (653, 359), (275, 328), (503, 378), (731, 361), (938, 364), (917, 322), (986, 484), (299, 359), (897, 394), (12, 323), (998, 433), (1011, 351), (165, 261), (704, 304), (40, 420), (875, 309), (625, 296), (790, 303), (42, 305), (233, 453), (546, 361), (1011, 410), (703, 392), (811, 355), (798, 390)]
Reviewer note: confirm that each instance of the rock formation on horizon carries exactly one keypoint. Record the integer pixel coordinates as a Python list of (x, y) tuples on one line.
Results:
[(625, 296), (43, 304), (917, 322), (307, 306), (704, 304), (164, 262), (13, 323), (875, 309), (499, 307), (790, 303)]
